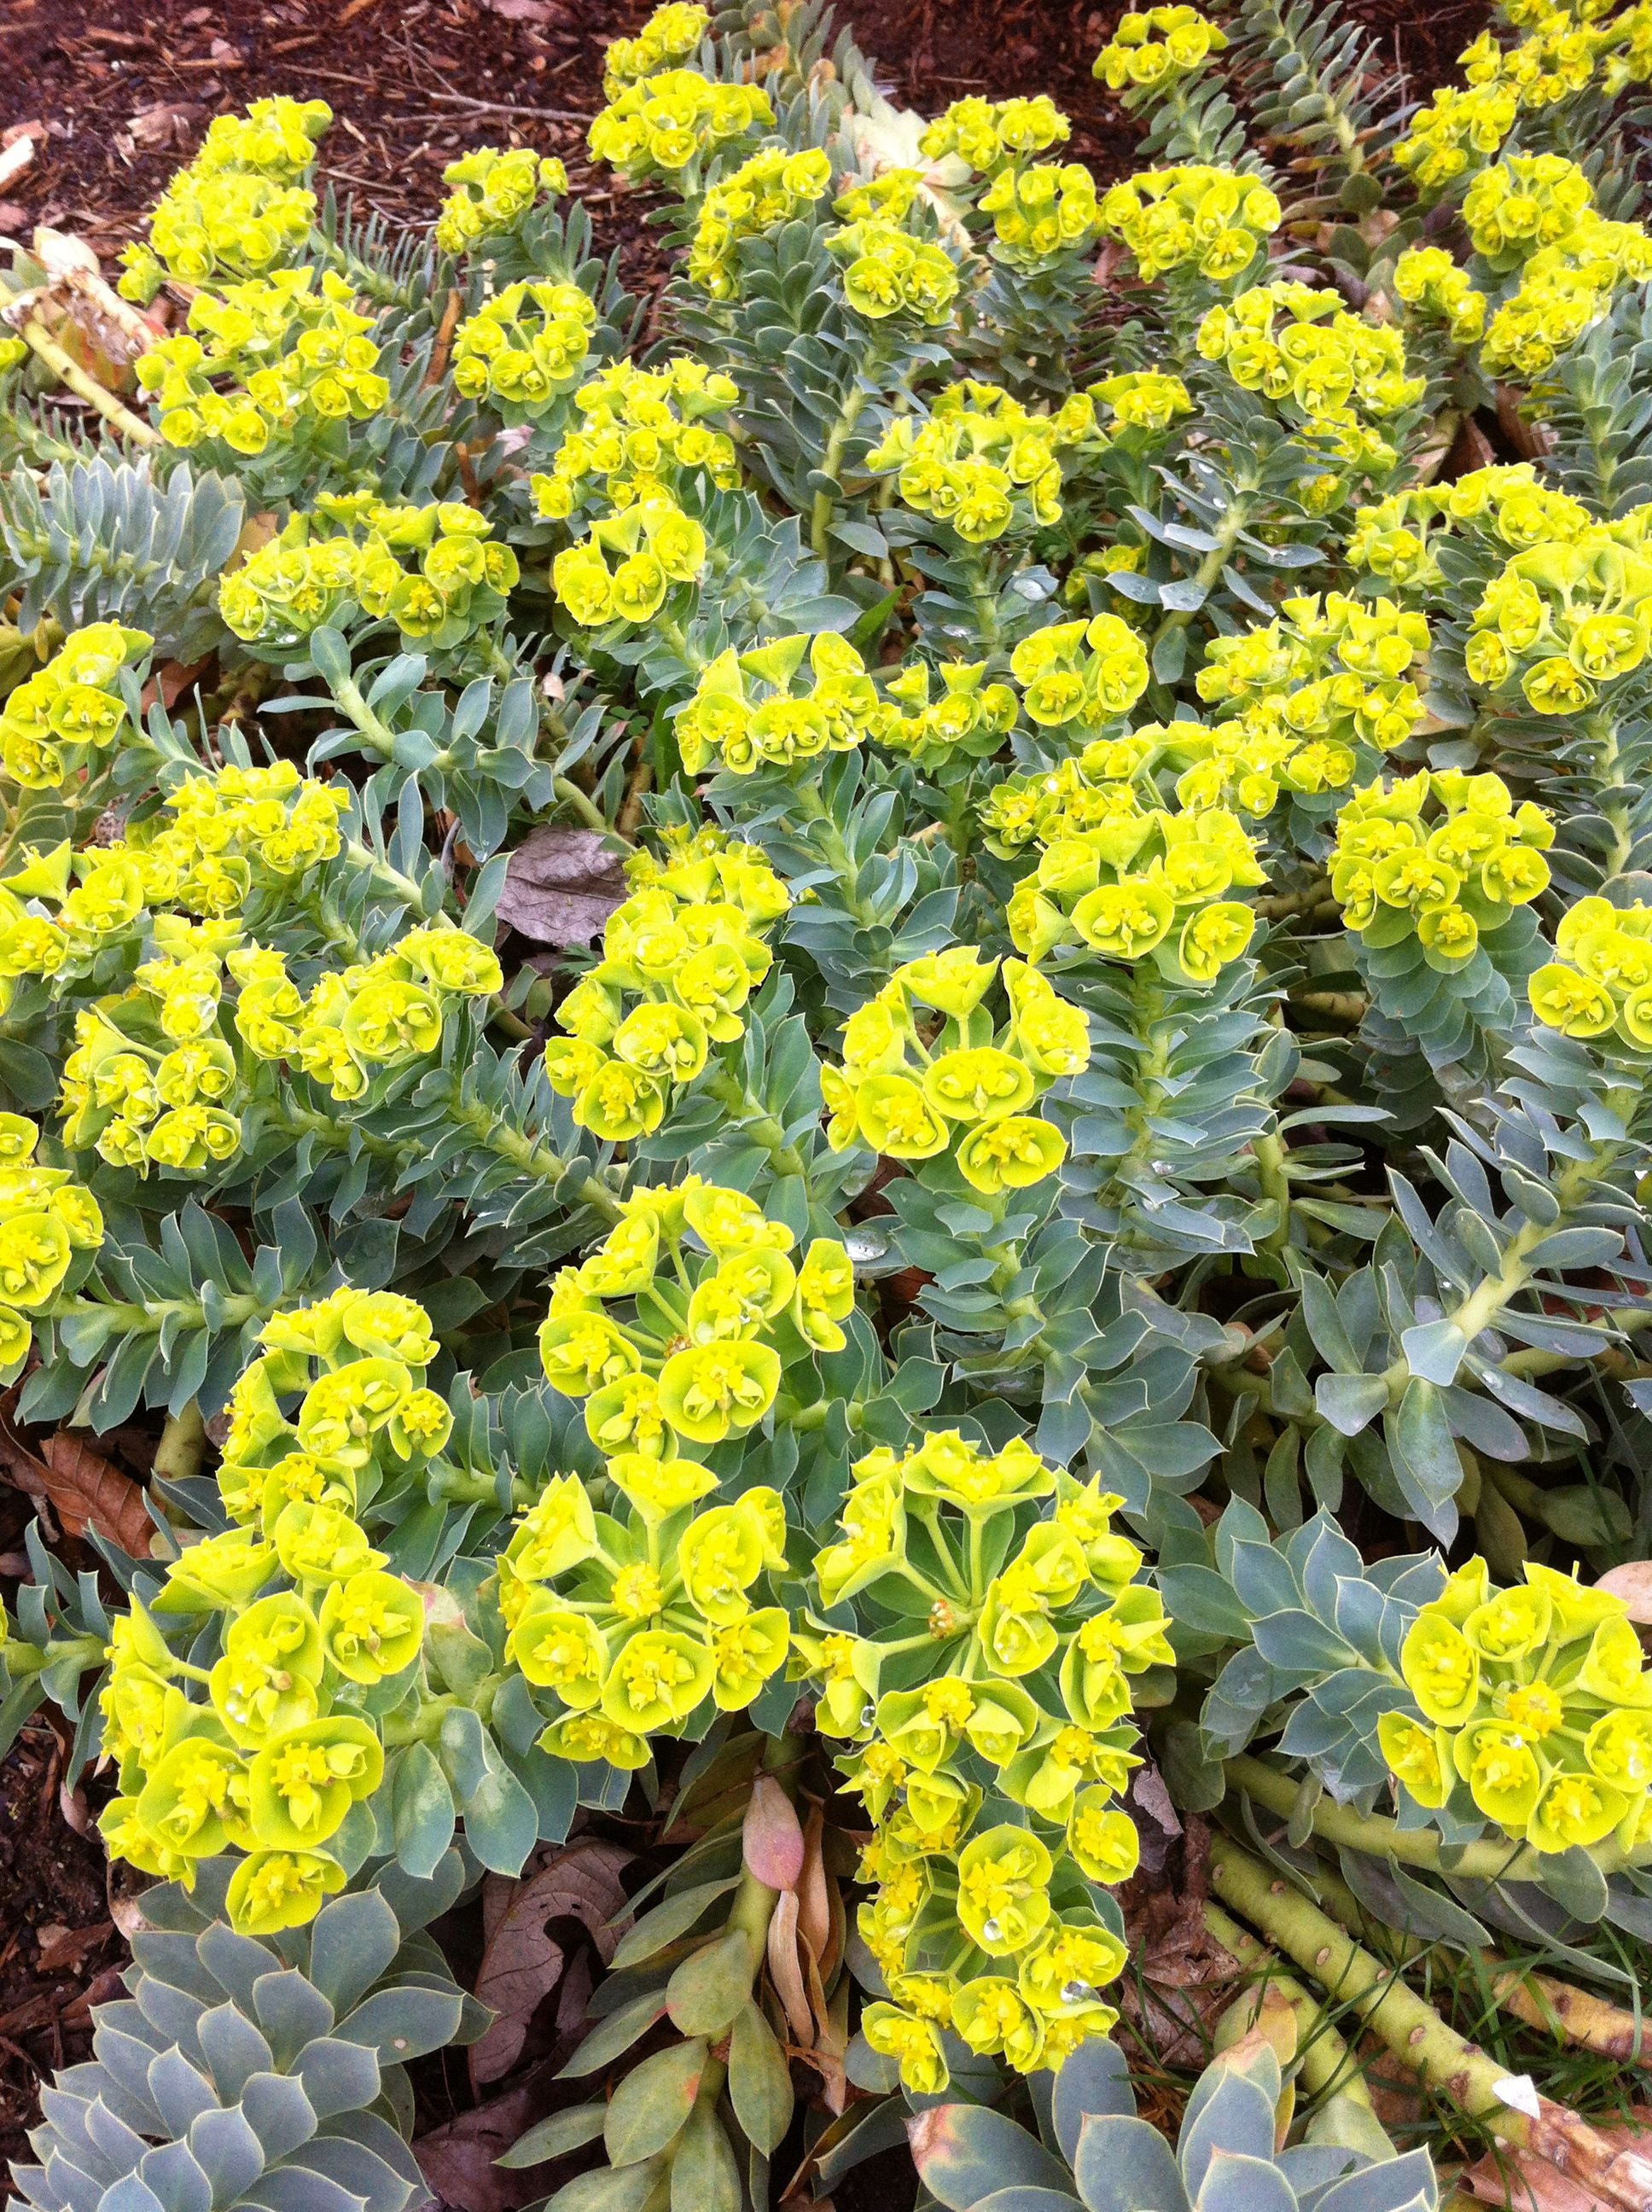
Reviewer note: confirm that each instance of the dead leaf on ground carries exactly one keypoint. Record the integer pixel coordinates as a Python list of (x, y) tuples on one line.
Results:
[(457, 2160), (1633, 1583), (562, 884), (524, 1960), (168, 122), (82, 1486), (1525, 2182), (521, 11)]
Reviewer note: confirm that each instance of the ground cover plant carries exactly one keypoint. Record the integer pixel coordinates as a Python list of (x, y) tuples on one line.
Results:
[(846, 1089)]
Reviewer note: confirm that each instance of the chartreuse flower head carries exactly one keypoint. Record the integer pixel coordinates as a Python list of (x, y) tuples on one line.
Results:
[(46, 1222), (628, 1629), (680, 959), (1532, 1710), (1135, 881), (669, 35), (910, 1089), (65, 720), (1564, 621), (983, 1697), (644, 437), (524, 349), (775, 187), (1600, 984), (712, 1309), (1445, 858), (313, 1636), (659, 124), (991, 135), (1080, 672), (982, 462), (1213, 221), (764, 709), (295, 353), (1153, 49), (494, 190), (238, 210), (1332, 374), (433, 572), (1428, 281)]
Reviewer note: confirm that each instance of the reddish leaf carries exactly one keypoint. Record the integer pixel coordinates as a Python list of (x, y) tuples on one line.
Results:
[(773, 1839), (562, 884), (524, 1960)]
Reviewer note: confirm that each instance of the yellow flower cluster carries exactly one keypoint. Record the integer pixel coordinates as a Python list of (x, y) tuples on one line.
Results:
[(1041, 210), (1143, 401), (1326, 674), (748, 712), (658, 546), (1138, 882), (524, 349), (493, 189), (657, 126), (1291, 342), (1602, 980), (987, 135), (982, 461), (1080, 671), (237, 210), (669, 35), (886, 272), (687, 950), (1533, 1707), (1441, 856), (62, 721), (307, 1625), (910, 1088), (221, 834), (433, 571), (969, 716), (1426, 277), (45, 1219), (643, 436), (1526, 203), (1392, 537), (1211, 220), (634, 1625), (770, 189), (298, 353), (714, 1311), (990, 1747), (1563, 619), (1454, 132), (1563, 288), (1557, 60), (153, 1080), (1152, 49)]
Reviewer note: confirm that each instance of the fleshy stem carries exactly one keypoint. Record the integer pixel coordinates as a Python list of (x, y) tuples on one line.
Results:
[(1419, 1847), (1417, 2035)]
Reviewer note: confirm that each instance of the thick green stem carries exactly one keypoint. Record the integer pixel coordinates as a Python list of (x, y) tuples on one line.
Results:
[(183, 1443), (1419, 1847), (1415, 2034)]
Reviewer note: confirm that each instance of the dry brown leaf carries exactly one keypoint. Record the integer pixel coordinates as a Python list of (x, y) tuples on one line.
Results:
[(521, 11), (814, 1886), (81, 1487), (786, 1970), (457, 2160), (524, 1960), (1522, 2181), (562, 884), (1633, 1583)]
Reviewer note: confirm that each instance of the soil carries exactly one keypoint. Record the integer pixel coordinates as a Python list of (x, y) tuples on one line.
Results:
[(117, 98)]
